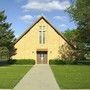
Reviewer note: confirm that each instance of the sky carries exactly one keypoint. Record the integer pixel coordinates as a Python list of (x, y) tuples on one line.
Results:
[(22, 13)]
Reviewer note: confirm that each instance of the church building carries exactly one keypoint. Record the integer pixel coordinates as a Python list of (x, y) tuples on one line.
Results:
[(40, 42)]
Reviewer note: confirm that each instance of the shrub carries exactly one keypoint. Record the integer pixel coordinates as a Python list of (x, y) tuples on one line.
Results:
[(56, 62), (69, 54), (70, 61), (85, 62), (21, 61), (3, 63), (59, 61)]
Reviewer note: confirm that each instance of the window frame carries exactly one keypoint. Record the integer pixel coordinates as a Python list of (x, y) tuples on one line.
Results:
[(42, 35)]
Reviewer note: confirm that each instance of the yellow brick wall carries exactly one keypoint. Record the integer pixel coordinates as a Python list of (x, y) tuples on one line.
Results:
[(29, 43)]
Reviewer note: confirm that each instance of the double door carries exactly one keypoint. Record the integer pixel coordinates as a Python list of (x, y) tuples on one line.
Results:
[(41, 57)]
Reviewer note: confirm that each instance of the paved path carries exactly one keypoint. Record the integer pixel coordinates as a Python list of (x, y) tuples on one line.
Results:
[(40, 77)]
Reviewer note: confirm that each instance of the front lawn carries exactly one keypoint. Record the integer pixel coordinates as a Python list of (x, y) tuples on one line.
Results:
[(72, 76), (11, 75)]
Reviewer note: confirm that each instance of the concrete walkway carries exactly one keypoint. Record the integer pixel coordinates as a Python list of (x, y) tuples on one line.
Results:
[(40, 77)]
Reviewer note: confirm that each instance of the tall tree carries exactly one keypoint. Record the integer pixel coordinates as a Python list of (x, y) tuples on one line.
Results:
[(72, 35), (80, 13), (7, 38)]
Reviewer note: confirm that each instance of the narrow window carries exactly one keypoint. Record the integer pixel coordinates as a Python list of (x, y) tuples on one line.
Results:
[(42, 35)]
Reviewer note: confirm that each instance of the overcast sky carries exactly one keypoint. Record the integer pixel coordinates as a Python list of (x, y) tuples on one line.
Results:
[(22, 13)]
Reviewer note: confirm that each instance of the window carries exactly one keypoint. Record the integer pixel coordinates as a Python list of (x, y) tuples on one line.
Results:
[(42, 35)]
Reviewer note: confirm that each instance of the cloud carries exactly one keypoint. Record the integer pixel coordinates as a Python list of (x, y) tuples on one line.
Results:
[(60, 17), (27, 18), (41, 0), (47, 5), (63, 25), (19, 1), (16, 36)]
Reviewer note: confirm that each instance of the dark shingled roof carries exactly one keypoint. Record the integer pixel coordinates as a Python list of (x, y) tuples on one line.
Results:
[(50, 25)]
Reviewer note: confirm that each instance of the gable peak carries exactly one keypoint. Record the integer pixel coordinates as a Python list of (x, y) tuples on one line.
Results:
[(42, 17)]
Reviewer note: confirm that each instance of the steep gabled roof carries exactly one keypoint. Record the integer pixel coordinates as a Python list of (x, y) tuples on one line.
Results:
[(49, 24)]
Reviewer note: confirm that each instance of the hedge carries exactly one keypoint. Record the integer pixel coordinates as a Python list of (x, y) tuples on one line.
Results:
[(21, 61), (56, 62), (86, 62), (72, 62), (59, 61)]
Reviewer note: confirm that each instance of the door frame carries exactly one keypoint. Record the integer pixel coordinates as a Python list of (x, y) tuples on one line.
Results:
[(44, 52)]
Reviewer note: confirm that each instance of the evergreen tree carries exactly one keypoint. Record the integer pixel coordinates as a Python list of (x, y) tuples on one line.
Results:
[(7, 38)]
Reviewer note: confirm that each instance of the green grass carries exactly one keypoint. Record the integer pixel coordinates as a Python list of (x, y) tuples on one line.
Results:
[(72, 76), (11, 75)]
